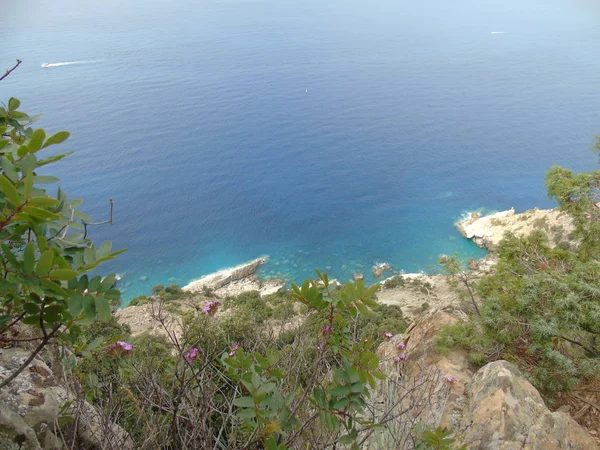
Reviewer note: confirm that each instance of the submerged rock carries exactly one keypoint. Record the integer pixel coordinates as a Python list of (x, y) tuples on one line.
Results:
[(380, 268)]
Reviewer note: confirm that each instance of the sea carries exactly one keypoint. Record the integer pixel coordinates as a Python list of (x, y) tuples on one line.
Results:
[(330, 134)]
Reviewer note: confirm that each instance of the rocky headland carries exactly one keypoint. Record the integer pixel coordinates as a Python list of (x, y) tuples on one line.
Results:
[(488, 230)]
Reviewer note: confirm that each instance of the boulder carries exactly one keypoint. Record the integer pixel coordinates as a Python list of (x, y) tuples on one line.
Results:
[(380, 268), (32, 403), (504, 411), (495, 408)]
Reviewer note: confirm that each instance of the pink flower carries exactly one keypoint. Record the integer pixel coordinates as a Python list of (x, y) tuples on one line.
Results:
[(320, 347), (450, 379), (401, 357), (191, 355), (211, 307), (234, 348), (387, 335), (401, 345), (118, 348), (327, 329)]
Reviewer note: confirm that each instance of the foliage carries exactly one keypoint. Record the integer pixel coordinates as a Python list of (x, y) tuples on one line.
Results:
[(438, 439), (460, 278), (45, 253), (541, 309), (394, 282), (579, 195), (260, 392)]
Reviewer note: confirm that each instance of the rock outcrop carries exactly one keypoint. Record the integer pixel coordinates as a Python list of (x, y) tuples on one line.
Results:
[(494, 408), (235, 280), (504, 411), (226, 276), (487, 231), (32, 403)]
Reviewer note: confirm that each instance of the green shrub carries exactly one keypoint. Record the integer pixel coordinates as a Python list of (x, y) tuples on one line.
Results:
[(394, 282)]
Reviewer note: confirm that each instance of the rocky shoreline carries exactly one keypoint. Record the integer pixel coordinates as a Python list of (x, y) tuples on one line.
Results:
[(487, 231)]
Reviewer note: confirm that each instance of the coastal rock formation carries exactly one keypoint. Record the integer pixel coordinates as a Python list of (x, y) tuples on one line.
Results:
[(494, 408), (487, 231), (416, 292), (380, 268), (226, 276), (235, 280)]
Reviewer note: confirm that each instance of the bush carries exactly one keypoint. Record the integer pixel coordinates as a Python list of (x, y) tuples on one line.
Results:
[(394, 282), (541, 309)]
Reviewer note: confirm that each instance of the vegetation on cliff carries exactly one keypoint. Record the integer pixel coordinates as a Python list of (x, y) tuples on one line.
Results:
[(541, 306)]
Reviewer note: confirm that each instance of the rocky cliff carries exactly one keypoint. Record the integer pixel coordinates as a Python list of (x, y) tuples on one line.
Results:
[(493, 408)]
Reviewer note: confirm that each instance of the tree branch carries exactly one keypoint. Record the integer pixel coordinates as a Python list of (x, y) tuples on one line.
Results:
[(10, 70), (38, 349)]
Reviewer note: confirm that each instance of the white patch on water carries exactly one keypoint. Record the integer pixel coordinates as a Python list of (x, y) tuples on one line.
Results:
[(498, 32), (68, 63)]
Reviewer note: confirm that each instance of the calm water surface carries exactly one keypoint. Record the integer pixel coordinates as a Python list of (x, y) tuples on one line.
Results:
[(328, 134)]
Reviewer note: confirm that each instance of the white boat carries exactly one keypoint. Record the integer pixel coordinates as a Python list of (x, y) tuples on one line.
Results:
[(45, 65)]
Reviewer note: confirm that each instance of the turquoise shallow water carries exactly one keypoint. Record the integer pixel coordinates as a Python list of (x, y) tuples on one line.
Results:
[(325, 134)]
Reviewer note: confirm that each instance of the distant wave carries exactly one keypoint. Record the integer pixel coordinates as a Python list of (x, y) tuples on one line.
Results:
[(498, 32), (68, 63)]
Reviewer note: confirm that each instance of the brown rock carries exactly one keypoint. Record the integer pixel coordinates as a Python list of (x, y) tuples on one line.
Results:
[(504, 411)]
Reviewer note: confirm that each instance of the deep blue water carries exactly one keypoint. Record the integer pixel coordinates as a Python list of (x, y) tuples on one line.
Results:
[(193, 116)]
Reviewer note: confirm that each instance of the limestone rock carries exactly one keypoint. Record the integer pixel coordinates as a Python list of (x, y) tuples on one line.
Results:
[(489, 230), (504, 411), (494, 409), (380, 268), (30, 406), (226, 276), (357, 276)]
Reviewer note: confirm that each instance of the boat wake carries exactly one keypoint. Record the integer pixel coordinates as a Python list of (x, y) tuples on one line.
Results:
[(68, 63), (498, 32)]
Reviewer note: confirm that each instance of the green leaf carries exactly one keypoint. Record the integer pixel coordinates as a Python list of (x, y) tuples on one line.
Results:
[(13, 104), (244, 402), (63, 274), (103, 309), (57, 138), (357, 388), (43, 202), (89, 308), (44, 179), (363, 309), (108, 282), (9, 190), (28, 185), (39, 213), (29, 258), (76, 304), (94, 284), (341, 403), (346, 439), (247, 413), (340, 391), (31, 308), (36, 140), (52, 313), (44, 263)]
